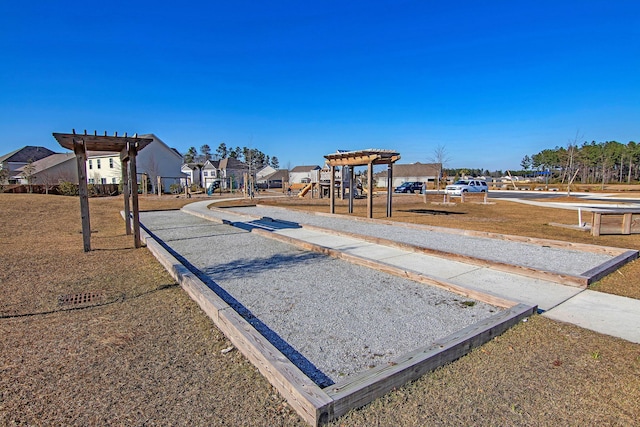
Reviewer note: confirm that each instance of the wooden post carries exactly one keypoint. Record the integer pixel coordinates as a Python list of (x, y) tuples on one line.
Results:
[(125, 192), (133, 171), (159, 186), (370, 190), (389, 188), (351, 176), (81, 160), (627, 219), (332, 190)]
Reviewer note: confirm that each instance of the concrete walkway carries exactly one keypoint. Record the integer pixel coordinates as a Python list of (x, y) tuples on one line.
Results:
[(604, 313)]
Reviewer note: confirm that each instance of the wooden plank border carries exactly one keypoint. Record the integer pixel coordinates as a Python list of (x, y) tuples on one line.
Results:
[(369, 385), (580, 281), (607, 250), (315, 405), (387, 268), (299, 390), (621, 255)]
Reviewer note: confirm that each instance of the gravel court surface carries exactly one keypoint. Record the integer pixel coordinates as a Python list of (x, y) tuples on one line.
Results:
[(560, 260), (325, 313)]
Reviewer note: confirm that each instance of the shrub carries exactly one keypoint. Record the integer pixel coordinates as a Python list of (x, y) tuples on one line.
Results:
[(67, 188)]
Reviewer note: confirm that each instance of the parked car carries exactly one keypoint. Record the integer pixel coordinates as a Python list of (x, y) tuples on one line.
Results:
[(466, 186), (409, 187)]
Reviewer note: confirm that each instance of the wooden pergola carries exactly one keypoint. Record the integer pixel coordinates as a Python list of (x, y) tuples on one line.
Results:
[(370, 157), (128, 148)]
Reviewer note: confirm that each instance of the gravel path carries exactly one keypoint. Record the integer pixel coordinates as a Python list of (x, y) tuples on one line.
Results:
[(561, 260), (332, 318)]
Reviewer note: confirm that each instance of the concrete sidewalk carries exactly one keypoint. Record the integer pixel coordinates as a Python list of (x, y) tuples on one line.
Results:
[(604, 313)]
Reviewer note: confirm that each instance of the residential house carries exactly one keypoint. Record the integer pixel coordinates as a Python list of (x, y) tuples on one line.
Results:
[(420, 172), (210, 172), (192, 173), (231, 171), (264, 172), (156, 160), (49, 171), (276, 179), (304, 174), (16, 159)]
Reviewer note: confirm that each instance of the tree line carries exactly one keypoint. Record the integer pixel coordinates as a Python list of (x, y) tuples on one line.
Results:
[(590, 163), (252, 157)]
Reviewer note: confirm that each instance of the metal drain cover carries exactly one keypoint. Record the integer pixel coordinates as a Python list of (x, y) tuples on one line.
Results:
[(81, 298)]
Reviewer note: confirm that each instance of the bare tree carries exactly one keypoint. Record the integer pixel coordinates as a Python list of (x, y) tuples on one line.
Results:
[(28, 174), (440, 157), (152, 168)]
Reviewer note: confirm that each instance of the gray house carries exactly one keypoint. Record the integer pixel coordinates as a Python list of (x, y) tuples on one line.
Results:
[(20, 158), (419, 172)]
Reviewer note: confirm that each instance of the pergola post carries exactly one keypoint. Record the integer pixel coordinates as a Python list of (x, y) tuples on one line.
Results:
[(79, 148), (133, 172), (332, 190), (351, 176), (125, 191), (389, 188), (370, 190)]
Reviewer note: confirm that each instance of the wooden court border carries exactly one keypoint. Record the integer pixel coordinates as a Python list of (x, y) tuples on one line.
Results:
[(318, 406)]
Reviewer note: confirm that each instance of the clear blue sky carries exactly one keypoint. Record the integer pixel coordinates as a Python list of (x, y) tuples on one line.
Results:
[(491, 81)]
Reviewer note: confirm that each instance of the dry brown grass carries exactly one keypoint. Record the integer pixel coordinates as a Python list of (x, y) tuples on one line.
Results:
[(149, 356)]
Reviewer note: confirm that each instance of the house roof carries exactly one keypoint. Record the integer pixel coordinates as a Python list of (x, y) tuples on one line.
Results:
[(305, 168), (231, 163), (47, 162), (280, 174), (211, 164), (413, 170), (29, 153)]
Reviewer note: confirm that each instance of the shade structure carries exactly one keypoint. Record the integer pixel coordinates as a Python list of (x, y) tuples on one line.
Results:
[(128, 148), (369, 158)]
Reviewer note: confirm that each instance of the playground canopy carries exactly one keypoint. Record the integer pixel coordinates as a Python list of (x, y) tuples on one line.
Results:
[(368, 157)]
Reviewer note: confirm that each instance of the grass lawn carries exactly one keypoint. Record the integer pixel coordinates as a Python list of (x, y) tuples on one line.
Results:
[(144, 353)]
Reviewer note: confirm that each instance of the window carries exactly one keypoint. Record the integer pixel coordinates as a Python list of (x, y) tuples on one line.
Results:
[(90, 164), (205, 173), (113, 181), (91, 181), (111, 163), (98, 163), (103, 180)]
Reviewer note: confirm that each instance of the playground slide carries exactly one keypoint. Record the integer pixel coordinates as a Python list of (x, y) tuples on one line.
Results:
[(305, 190)]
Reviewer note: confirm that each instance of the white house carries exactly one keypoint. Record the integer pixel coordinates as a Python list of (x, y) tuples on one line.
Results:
[(304, 174), (192, 172), (156, 160), (210, 172)]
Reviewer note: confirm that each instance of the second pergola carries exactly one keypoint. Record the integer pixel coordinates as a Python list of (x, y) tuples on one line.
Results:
[(350, 159)]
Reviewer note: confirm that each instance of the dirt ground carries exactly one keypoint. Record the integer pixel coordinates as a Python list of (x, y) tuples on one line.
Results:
[(143, 353)]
